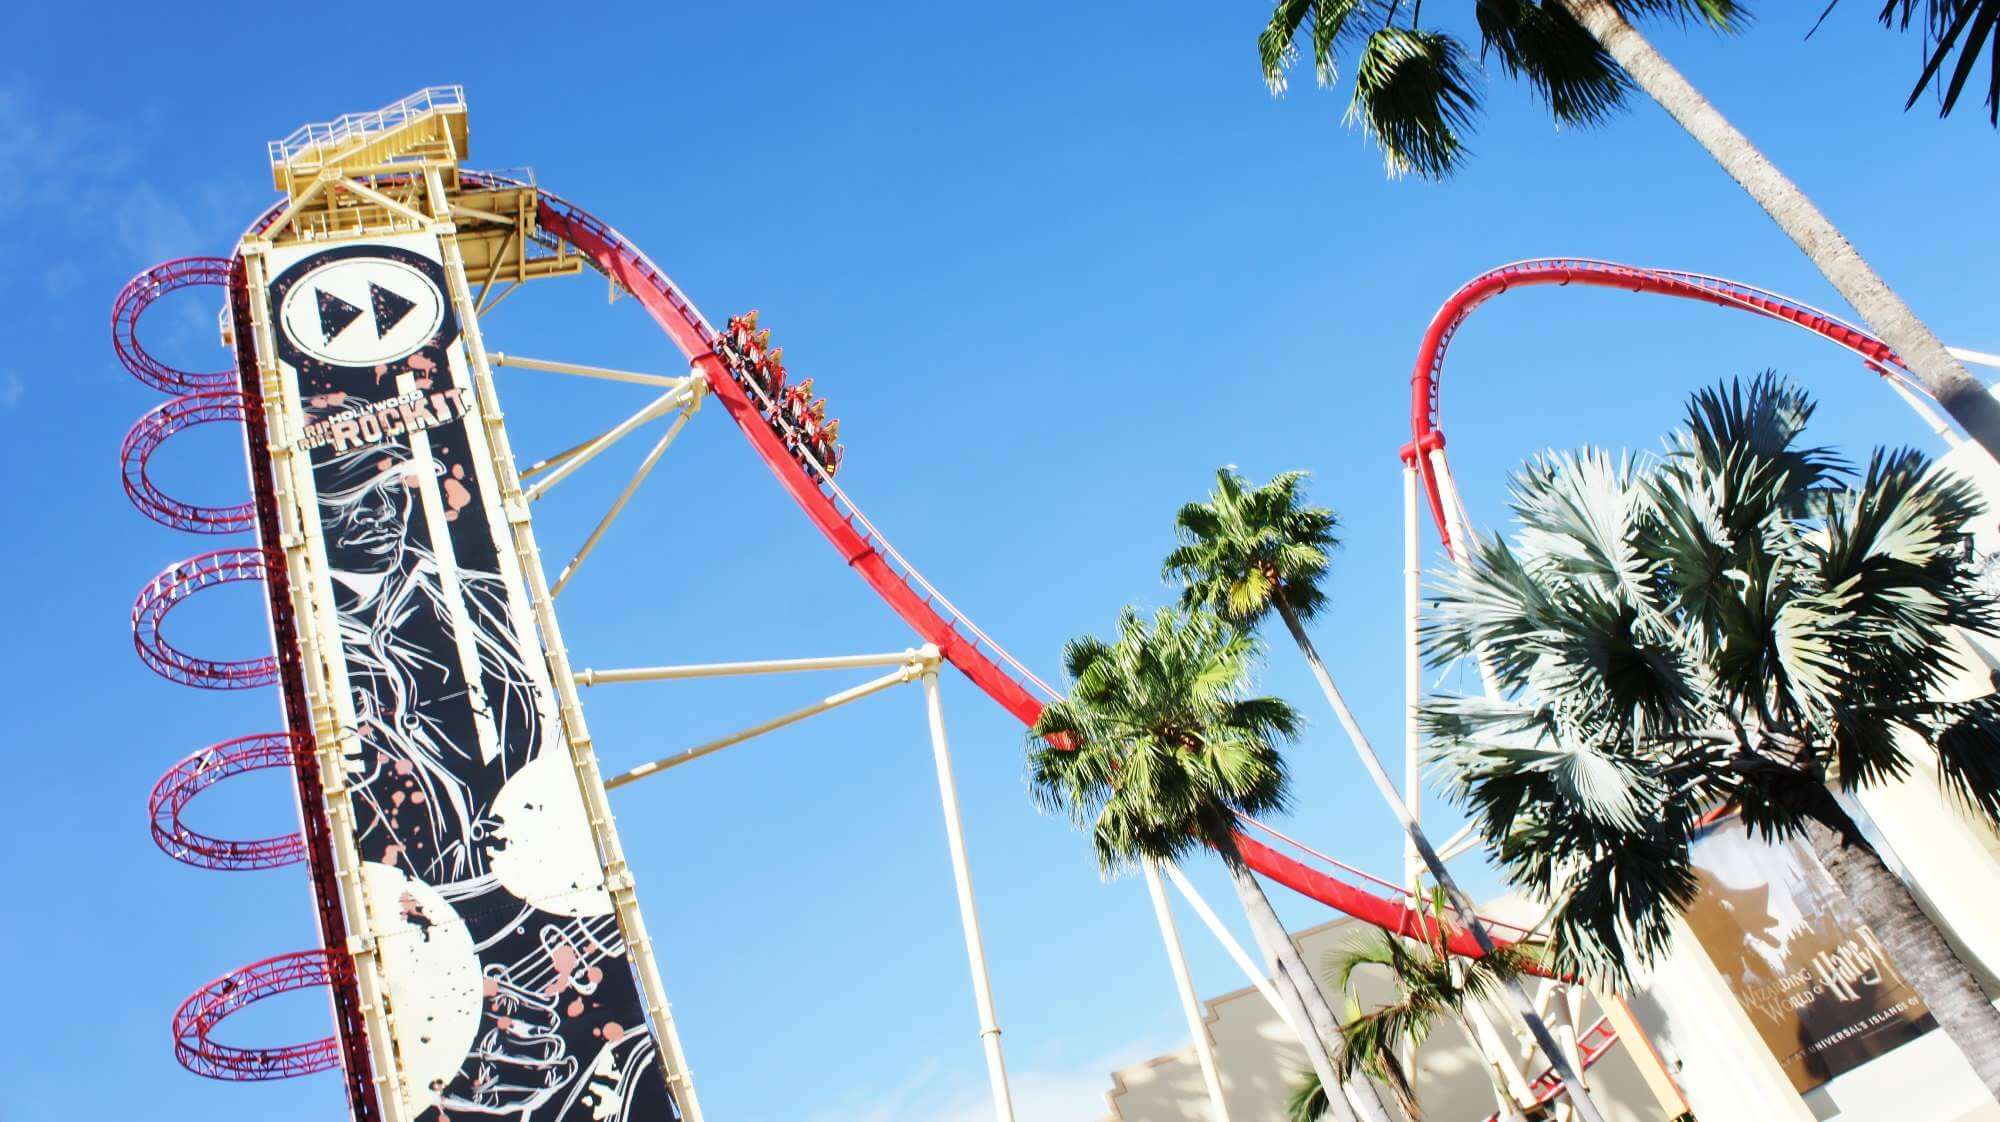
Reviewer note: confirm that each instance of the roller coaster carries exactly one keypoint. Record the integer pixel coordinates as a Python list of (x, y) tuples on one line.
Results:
[(397, 169)]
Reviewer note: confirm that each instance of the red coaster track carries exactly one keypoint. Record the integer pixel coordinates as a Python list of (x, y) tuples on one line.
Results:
[(164, 592), (146, 437), (1428, 373), (138, 295), (204, 769), (207, 1007)]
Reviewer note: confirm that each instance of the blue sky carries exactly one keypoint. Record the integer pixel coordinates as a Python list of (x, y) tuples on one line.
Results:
[(1051, 265)]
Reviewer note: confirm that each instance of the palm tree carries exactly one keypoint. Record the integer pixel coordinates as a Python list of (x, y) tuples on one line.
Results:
[(1739, 623), (1432, 987), (1156, 749), (1415, 94), (1246, 553)]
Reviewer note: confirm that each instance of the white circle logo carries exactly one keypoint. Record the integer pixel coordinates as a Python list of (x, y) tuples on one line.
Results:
[(362, 311)]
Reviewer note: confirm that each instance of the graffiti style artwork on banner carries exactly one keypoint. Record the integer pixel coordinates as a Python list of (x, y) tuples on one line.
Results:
[(509, 988), (1809, 974)]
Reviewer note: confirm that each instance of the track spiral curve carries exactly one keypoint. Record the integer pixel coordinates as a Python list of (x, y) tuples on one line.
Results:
[(204, 769), (209, 1006), (163, 592), (146, 437), (139, 294)]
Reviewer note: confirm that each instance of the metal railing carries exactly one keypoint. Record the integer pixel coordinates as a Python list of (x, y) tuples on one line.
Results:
[(349, 125)]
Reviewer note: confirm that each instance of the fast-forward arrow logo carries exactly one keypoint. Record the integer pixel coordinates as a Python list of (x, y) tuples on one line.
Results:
[(337, 315), (362, 310)]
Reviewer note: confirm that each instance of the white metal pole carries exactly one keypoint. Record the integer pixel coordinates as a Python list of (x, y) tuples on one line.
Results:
[(968, 908), (873, 686), (1463, 542), (1236, 952), (672, 399), (625, 496), (734, 669), (1413, 791), (498, 359), (1461, 904), (1204, 1048), (1980, 358), (1945, 430)]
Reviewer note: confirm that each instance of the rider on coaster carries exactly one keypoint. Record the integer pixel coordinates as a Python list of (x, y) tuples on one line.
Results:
[(769, 374)]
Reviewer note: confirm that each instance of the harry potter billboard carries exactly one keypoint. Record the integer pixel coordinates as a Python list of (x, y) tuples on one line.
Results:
[(1809, 973)]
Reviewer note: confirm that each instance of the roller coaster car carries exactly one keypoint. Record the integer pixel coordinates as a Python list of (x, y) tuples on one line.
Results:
[(794, 414)]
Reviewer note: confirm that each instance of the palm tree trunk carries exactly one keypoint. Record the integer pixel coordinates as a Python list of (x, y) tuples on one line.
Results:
[(1915, 945), (1319, 1032), (1942, 375), (1461, 904)]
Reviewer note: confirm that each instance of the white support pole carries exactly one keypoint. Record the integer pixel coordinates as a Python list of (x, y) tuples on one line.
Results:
[(1413, 675), (1501, 1050), (739, 669), (631, 488), (968, 908), (668, 381), (672, 399), (1979, 358), (1466, 839), (1945, 430), (547, 462), (1236, 952), (1204, 1048), (877, 685), (1461, 904), (1463, 542)]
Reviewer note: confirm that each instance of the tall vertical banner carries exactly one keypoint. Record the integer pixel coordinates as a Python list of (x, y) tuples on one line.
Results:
[(1808, 972), (507, 983)]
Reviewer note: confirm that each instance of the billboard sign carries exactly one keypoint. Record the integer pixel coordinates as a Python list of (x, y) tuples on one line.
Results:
[(508, 987), (1808, 972)]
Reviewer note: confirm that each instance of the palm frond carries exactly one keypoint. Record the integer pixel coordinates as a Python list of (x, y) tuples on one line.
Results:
[(1331, 28), (1968, 27), (1307, 1100), (1416, 97), (1968, 752), (1543, 44)]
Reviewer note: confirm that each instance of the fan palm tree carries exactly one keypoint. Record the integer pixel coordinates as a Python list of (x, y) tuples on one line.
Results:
[(1432, 987), (1739, 623), (1248, 553), (1415, 94), (1156, 749)]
